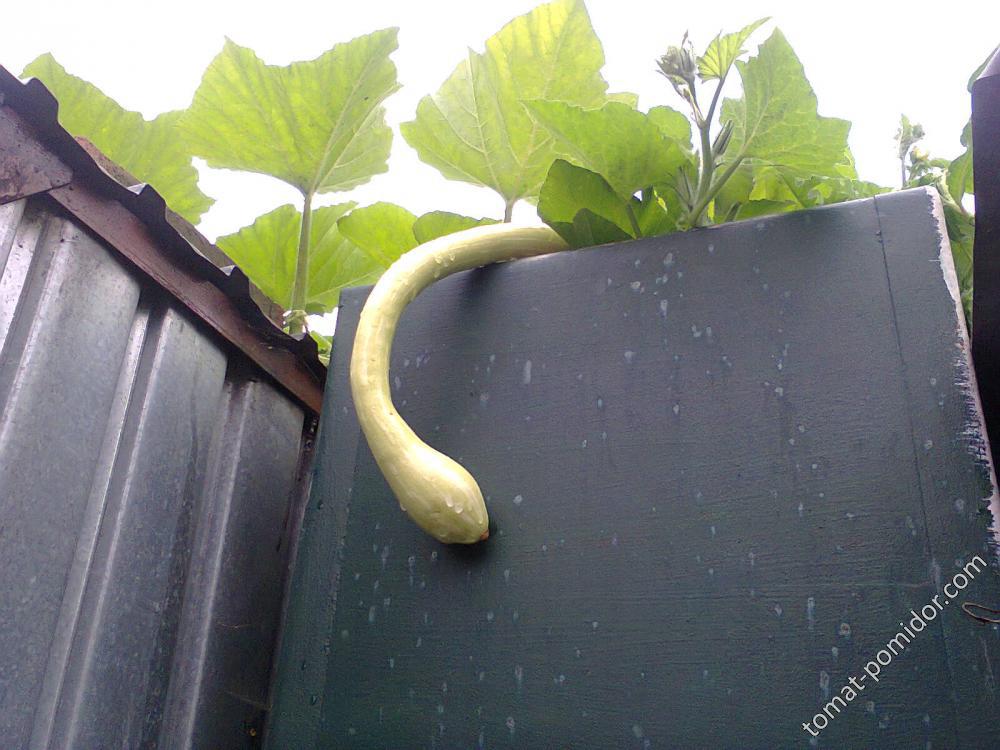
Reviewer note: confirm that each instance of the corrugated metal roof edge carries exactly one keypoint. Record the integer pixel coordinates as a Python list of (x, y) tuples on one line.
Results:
[(37, 106)]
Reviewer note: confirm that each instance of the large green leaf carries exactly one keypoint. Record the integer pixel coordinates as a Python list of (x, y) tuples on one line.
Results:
[(475, 127), (659, 211), (777, 122), (672, 124), (781, 185), (960, 170), (569, 190), (627, 148), (148, 149), (724, 50), (317, 125), (436, 224), (758, 188), (961, 235), (266, 251), (383, 230), (980, 68)]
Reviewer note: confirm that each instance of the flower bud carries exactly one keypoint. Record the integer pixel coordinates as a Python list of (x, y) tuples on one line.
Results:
[(721, 142), (679, 65)]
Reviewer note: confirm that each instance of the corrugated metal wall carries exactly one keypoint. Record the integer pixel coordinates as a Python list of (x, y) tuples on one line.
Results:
[(148, 488)]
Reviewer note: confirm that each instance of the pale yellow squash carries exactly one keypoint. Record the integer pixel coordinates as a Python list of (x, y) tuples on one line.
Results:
[(438, 494)]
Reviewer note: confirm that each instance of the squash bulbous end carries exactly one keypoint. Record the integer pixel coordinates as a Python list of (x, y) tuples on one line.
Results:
[(439, 495)]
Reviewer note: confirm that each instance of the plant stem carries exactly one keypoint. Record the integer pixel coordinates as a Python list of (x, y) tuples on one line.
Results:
[(707, 156), (715, 99), (694, 217), (508, 210), (301, 283), (902, 171), (707, 161), (636, 229)]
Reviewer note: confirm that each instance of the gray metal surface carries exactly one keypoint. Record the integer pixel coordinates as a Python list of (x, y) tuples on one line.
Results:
[(740, 457), (149, 481)]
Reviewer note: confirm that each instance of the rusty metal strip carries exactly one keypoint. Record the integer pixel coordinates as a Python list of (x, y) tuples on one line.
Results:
[(26, 166), (127, 234), (41, 157)]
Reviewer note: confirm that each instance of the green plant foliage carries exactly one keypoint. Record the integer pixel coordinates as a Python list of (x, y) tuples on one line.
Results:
[(673, 124), (624, 146), (476, 129), (952, 180), (960, 169), (776, 121), (383, 230), (772, 153), (582, 207), (324, 347), (529, 117), (147, 149), (436, 224), (317, 125), (725, 50), (266, 251), (959, 178)]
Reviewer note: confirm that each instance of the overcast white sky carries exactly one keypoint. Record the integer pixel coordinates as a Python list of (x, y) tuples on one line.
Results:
[(867, 61)]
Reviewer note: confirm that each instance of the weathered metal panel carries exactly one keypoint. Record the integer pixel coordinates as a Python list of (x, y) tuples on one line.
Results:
[(149, 488), (986, 255), (219, 692), (739, 458), (38, 155), (68, 308)]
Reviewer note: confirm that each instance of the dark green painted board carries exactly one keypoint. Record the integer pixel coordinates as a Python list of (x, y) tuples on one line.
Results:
[(721, 465)]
